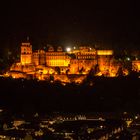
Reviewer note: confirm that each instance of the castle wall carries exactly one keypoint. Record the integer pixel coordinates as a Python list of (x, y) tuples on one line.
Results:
[(136, 65), (35, 58), (57, 59), (75, 62)]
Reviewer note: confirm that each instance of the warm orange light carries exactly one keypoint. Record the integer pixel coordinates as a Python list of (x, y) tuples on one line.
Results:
[(41, 64), (104, 52), (136, 65)]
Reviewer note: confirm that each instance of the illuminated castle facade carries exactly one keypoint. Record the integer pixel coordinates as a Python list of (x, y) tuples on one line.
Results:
[(76, 61), (26, 53)]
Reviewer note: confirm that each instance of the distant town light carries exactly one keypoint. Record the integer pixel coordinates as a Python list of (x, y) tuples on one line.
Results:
[(128, 58), (136, 117)]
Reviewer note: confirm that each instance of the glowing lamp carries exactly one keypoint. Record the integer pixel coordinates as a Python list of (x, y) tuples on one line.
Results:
[(68, 49)]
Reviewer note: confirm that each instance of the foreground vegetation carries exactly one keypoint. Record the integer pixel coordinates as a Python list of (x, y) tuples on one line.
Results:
[(96, 94)]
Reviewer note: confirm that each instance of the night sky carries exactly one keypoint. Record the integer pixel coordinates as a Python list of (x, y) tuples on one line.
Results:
[(70, 22)]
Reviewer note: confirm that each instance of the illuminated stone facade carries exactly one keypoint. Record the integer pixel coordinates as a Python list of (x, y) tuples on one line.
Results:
[(41, 63), (39, 57), (136, 65), (104, 58), (84, 60), (26, 53), (57, 58)]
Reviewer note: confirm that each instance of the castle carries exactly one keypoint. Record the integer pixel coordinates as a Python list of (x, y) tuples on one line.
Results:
[(41, 63)]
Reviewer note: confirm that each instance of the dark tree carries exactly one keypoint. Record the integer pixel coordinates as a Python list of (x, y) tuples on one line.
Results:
[(57, 69)]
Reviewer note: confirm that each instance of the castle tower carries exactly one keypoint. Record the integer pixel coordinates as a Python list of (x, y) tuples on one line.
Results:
[(26, 53)]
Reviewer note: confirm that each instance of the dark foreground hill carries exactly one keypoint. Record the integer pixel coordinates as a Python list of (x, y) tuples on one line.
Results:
[(98, 94)]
